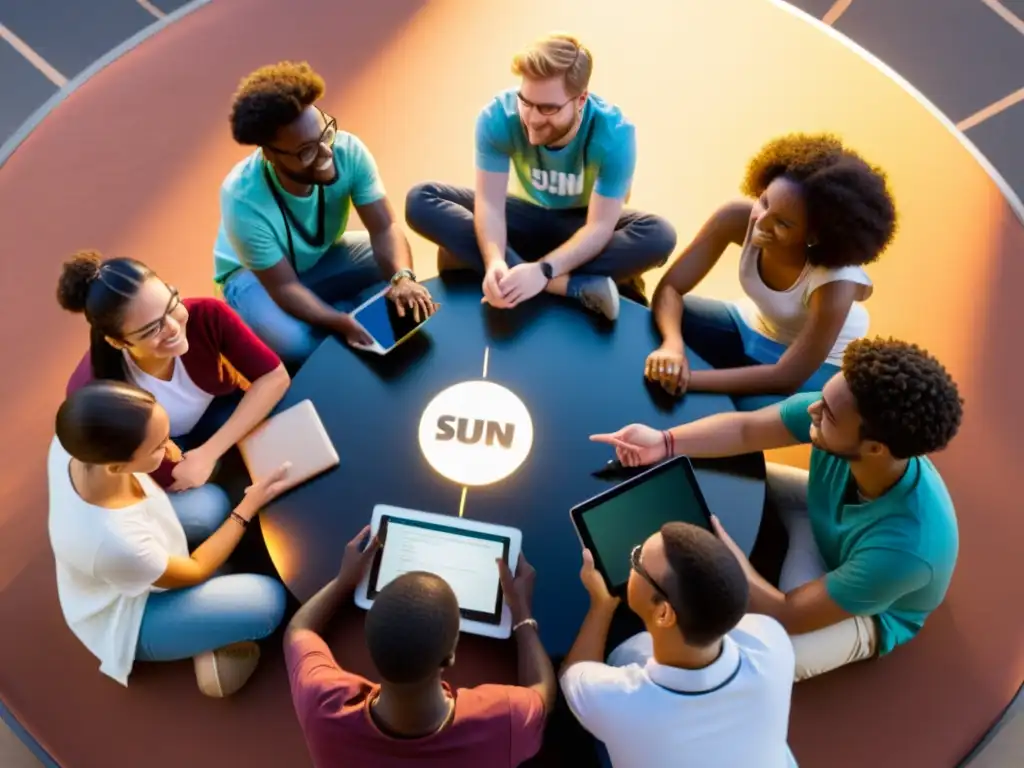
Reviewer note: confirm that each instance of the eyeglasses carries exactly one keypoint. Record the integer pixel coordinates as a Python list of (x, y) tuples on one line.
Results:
[(634, 561), (544, 109), (154, 327), (309, 152)]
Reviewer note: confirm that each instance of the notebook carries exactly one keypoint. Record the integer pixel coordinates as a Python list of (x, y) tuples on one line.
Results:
[(294, 435)]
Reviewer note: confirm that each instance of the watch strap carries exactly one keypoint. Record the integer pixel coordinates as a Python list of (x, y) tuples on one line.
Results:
[(402, 273)]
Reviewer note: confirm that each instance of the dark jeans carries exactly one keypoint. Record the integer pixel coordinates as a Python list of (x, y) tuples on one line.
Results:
[(444, 215)]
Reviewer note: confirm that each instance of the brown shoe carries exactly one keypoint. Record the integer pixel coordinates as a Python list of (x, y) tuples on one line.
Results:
[(223, 671), (446, 262)]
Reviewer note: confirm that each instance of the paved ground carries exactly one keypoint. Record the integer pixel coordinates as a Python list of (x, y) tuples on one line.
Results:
[(966, 56)]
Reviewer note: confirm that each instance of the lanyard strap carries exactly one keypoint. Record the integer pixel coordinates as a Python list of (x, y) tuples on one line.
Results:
[(290, 220)]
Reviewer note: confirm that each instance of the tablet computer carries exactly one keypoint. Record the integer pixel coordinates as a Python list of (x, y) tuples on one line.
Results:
[(379, 316), (612, 523), (295, 435), (460, 551)]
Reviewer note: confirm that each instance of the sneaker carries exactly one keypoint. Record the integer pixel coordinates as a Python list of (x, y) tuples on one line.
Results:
[(598, 294), (224, 671)]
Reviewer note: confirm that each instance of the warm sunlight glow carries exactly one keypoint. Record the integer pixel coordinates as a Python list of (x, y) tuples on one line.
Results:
[(476, 433)]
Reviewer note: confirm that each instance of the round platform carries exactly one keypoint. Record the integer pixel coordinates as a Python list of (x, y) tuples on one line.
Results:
[(574, 374), (131, 162)]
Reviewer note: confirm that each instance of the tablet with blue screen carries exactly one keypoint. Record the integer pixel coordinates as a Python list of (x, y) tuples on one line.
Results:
[(379, 316)]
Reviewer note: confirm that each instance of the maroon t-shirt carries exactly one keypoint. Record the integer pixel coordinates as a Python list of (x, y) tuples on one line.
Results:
[(494, 725), (223, 356)]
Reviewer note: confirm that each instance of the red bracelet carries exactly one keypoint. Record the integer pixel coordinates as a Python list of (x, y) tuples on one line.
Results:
[(239, 519), (670, 443)]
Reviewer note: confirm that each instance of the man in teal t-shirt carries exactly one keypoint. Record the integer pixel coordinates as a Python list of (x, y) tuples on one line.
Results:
[(555, 223), (873, 535), (283, 257)]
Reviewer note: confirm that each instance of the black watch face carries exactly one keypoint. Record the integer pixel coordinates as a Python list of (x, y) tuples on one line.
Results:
[(545, 268)]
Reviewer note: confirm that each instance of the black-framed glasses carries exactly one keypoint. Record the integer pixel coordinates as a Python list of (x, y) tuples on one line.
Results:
[(545, 109), (309, 152), (636, 565), (154, 327)]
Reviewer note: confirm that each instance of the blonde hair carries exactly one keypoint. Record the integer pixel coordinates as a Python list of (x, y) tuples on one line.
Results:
[(556, 55)]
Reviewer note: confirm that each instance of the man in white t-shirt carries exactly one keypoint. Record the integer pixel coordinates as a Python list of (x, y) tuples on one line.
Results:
[(705, 686)]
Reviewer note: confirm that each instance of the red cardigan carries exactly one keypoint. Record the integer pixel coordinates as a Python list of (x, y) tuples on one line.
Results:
[(223, 356)]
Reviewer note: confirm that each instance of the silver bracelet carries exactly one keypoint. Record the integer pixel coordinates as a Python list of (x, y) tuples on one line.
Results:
[(524, 623)]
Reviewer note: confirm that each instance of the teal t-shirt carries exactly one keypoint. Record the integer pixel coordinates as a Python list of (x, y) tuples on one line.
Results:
[(252, 230), (601, 157), (890, 557)]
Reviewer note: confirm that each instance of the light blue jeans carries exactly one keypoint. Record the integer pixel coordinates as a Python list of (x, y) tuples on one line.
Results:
[(181, 623), (714, 330), (344, 277)]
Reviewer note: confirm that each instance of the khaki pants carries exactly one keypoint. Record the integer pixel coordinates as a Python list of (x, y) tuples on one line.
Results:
[(831, 647)]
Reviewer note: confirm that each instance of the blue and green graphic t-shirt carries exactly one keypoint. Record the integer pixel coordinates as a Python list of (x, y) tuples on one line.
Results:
[(601, 157), (252, 232), (891, 557)]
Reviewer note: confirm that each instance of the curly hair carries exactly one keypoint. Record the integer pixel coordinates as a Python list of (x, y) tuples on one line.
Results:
[(849, 205), (905, 397), (271, 98)]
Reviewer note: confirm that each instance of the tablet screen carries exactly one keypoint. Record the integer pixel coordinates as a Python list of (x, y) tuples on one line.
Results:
[(464, 559), (380, 319), (629, 514)]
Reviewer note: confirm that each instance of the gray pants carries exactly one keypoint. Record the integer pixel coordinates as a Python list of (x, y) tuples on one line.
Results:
[(443, 214)]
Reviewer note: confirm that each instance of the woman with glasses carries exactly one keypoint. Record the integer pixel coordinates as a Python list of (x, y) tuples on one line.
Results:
[(195, 356)]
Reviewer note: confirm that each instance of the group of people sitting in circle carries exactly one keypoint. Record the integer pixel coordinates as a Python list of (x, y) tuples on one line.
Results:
[(143, 539)]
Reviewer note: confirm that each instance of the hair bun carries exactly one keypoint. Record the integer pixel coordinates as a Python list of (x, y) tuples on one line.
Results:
[(76, 277)]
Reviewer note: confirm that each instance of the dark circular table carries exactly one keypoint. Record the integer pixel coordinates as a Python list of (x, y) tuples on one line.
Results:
[(576, 374)]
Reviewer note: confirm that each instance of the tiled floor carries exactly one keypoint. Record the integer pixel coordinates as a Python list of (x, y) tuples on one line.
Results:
[(966, 56)]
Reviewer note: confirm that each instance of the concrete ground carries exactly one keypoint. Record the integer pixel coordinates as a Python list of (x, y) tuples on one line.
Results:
[(965, 56)]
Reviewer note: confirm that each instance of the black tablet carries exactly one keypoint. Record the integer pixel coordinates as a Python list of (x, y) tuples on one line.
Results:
[(379, 316), (614, 522)]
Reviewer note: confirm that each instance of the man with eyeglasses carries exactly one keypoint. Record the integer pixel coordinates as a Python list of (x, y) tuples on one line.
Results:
[(560, 226), (283, 257), (705, 685)]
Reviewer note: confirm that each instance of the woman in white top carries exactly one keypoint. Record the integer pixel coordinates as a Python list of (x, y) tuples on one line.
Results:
[(128, 586), (820, 213)]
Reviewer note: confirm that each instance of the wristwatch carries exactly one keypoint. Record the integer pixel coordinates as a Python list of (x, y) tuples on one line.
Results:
[(401, 274), (546, 269)]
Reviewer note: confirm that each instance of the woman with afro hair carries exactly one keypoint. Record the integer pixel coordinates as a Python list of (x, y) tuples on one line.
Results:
[(819, 213)]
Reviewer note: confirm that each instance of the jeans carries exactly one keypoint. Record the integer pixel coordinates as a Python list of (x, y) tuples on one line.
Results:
[(712, 331), (182, 623), (346, 275), (836, 645), (444, 215)]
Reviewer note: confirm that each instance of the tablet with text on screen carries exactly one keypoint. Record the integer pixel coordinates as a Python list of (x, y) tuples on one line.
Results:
[(460, 551), (612, 523)]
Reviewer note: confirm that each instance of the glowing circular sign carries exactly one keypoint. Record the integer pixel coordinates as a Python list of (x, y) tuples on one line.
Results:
[(476, 433)]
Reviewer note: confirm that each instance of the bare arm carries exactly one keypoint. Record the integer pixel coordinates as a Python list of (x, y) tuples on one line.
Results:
[(727, 225), (829, 307), (256, 404), (593, 635), (489, 215), (590, 239), (316, 613), (390, 245), (284, 287), (732, 434), (534, 666)]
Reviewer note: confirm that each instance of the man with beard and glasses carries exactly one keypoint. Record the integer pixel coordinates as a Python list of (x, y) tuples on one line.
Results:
[(559, 226), (283, 257), (873, 535)]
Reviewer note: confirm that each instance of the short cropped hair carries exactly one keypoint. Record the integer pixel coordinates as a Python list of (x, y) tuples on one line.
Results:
[(849, 205), (905, 397), (412, 627), (271, 98), (708, 587), (556, 55)]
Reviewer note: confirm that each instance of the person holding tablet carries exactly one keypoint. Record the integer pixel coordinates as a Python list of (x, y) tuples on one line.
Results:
[(873, 536), (129, 587), (194, 355), (283, 256), (819, 213), (705, 685), (412, 630)]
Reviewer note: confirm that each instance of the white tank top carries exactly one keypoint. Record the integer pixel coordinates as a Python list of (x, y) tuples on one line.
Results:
[(781, 315)]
